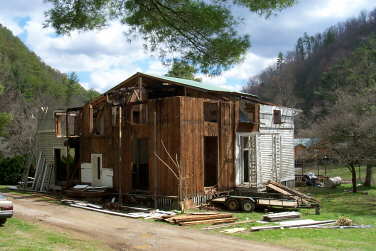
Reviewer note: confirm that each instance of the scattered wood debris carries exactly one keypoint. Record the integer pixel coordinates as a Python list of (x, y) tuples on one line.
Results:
[(280, 216), (296, 224), (224, 225), (234, 230), (344, 221), (186, 220), (151, 214), (335, 227)]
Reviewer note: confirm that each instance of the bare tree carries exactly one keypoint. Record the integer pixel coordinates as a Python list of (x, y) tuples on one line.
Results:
[(348, 130)]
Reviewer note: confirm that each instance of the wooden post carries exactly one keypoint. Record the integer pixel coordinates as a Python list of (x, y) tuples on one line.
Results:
[(67, 136), (155, 160), (120, 155)]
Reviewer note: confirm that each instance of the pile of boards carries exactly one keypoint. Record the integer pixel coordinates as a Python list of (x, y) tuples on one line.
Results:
[(200, 218), (86, 191), (280, 216)]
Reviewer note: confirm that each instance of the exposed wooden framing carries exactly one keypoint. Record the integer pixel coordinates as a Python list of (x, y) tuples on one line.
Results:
[(175, 128)]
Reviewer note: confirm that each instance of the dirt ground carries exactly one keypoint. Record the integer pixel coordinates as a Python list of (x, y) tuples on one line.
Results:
[(122, 233)]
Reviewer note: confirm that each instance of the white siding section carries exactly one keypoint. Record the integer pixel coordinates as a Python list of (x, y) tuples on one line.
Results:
[(265, 158), (287, 156), (286, 153), (47, 141)]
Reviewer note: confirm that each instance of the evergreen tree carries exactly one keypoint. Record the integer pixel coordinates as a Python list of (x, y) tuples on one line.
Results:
[(202, 32), (181, 69)]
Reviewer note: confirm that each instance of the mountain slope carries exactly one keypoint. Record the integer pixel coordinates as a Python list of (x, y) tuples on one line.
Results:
[(30, 84), (320, 65)]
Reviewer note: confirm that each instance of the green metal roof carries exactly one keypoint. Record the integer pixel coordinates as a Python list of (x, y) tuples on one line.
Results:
[(201, 85)]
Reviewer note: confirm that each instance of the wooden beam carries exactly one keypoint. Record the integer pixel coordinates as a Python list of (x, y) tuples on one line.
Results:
[(225, 220)]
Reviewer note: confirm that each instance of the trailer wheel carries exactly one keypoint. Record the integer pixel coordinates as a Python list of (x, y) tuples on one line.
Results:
[(232, 204), (248, 205)]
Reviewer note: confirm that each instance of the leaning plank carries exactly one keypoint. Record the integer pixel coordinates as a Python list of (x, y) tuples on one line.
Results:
[(291, 226), (202, 217), (225, 220), (293, 191), (278, 189)]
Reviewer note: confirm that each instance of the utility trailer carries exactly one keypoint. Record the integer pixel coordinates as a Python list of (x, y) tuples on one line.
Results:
[(277, 195)]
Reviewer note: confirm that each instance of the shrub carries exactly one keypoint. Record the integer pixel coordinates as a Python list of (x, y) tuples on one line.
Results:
[(11, 169)]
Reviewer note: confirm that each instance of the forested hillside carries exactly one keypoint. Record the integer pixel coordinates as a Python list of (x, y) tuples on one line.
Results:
[(342, 58), (32, 90)]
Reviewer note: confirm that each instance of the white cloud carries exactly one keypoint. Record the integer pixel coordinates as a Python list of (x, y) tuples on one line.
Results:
[(234, 78), (107, 58), (337, 8), (12, 25), (104, 80)]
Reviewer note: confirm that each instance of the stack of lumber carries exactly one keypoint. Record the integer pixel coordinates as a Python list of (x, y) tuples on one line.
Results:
[(281, 216), (194, 219)]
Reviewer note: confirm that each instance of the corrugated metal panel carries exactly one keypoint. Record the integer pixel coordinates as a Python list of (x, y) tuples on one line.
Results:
[(201, 85)]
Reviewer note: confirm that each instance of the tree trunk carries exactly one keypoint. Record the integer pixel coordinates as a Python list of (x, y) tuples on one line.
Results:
[(353, 179), (368, 179)]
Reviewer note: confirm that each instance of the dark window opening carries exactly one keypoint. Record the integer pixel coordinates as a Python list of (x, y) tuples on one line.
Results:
[(136, 117), (246, 165), (99, 168), (140, 168), (210, 161), (210, 112), (277, 117), (139, 114), (245, 142)]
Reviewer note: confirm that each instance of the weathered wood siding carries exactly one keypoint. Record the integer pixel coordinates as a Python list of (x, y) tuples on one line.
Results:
[(180, 125), (193, 130)]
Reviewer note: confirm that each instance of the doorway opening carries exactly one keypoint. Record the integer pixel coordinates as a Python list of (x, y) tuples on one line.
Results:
[(210, 161), (61, 170), (140, 168)]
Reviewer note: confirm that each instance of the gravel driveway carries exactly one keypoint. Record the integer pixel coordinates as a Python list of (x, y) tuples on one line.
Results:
[(122, 233)]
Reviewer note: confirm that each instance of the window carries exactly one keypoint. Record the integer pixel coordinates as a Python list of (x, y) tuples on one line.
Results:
[(277, 117), (210, 112), (98, 121), (139, 114)]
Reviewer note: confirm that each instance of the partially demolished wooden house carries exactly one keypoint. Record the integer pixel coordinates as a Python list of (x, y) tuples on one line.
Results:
[(169, 137)]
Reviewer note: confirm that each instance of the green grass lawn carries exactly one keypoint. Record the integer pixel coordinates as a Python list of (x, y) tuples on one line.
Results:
[(360, 207), (17, 234)]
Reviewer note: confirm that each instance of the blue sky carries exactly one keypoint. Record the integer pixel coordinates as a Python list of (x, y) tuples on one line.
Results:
[(104, 58)]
